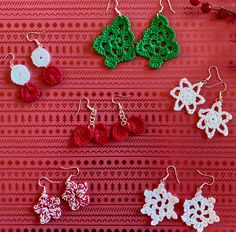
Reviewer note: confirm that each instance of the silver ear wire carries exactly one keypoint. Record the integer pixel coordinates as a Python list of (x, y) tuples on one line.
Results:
[(167, 175), (68, 179), (42, 185), (35, 40), (116, 9), (162, 7), (13, 57), (205, 183)]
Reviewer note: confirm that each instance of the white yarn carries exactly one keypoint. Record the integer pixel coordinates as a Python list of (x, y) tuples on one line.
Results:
[(20, 74), (40, 57)]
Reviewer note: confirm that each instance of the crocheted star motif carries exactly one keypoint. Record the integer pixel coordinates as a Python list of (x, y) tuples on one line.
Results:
[(187, 95), (158, 42), (47, 208), (76, 194), (159, 204), (116, 42), (199, 212), (214, 119)]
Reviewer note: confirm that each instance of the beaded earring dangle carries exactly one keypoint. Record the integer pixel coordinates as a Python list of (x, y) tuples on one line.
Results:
[(47, 207), (84, 134), (199, 211), (76, 194), (117, 40), (132, 125), (41, 58), (214, 119), (20, 75), (160, 203), (158, 42)]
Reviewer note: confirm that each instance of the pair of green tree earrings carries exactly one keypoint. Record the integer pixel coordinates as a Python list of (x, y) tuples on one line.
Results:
[(157, 44)]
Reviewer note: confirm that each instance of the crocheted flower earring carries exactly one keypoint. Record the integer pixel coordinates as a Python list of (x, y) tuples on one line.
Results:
[(47, 207), (117, 41), (158, 42), (98, 133), (121, 130), (20, 75), (199, 211), (76, 194), (160, 203), (41, 58), (214, 119), (188, 96)]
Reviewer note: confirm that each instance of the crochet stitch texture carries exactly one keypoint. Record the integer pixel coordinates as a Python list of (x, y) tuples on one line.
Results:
[(116, 42), (158, 42)]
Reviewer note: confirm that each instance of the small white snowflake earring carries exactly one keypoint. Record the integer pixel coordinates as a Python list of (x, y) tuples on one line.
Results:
[(76, 194), (160, 203), (47, 207), (214, 119), (199, 211), (188, 95), (41, 58)]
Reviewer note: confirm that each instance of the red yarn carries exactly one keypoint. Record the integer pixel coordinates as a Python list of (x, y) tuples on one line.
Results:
[(82, 135), (137, 124), (118, 132), (101, 134), (30, 92), (52, 75)]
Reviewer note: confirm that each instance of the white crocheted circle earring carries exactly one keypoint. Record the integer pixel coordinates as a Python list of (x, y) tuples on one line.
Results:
[(214, 119), (199, 211), (188, 95), (160, 203)]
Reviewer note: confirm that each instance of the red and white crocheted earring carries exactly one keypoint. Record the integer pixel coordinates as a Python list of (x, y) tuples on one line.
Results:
[(84, 134), (47, 207), (76, 194), (121, 130), (20, 75), (41, 58)]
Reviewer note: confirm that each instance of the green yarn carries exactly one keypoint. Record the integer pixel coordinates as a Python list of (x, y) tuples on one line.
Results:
[(116, 42), (158, 42)]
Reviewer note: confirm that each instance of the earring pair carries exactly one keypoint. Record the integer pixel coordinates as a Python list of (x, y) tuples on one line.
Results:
[(188, 96), (20, 74), (100, 134), (117, 40), (198, 212), (76, 194)]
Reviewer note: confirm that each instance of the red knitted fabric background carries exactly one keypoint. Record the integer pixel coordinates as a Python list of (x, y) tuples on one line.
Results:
[(35, 138)]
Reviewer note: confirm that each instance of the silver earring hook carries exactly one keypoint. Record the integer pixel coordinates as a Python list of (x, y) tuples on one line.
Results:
[(120, 96), (167, 175), (116, 9), (13, 57), (42, 185), (162, 8), (218, 83), (68, 179), (34, 33), (206, 183), (88, 105)]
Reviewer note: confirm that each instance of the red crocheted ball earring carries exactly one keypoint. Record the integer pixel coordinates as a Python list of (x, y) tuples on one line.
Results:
[(133, 125), (41, 58), (20, 75), (84, 134)]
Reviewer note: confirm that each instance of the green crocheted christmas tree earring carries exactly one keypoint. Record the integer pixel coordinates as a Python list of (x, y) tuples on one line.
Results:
[(117, 41), (158, 42)]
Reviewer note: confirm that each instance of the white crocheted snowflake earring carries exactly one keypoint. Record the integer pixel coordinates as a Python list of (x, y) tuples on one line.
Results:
[(160, 203), (199, 211), (76, 194), (188, 95), (47, 207), (214, 119), (41, 58)]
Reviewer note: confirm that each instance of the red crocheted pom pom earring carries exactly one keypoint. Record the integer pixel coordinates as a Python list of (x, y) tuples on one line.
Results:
[(133, 125), (41, 58), (20, 75), (84, 134)]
